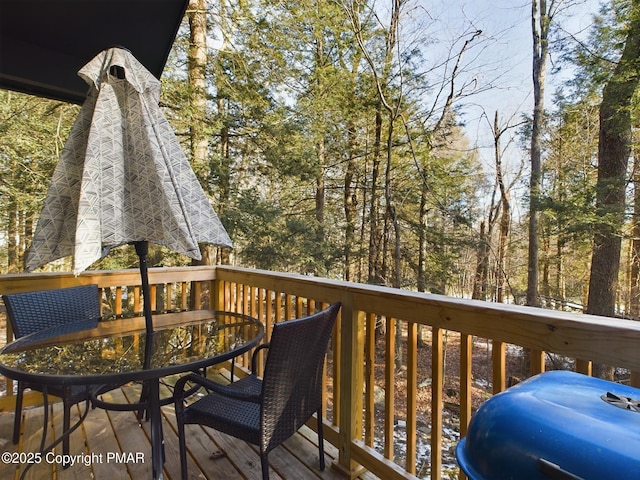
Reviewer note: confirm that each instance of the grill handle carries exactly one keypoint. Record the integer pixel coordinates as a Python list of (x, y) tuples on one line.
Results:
[(554, 472)]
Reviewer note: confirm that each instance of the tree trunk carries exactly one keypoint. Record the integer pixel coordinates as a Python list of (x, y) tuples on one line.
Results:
[(613, 155), (391, 209), (319, 243), (545, 264), (12, 235), (560, 281), (505, 216), (614, 149), (422, 238), (350, 203), (634, 280), (197, 66), (540, 22), (318, 252), (374, 233), (482, 266)]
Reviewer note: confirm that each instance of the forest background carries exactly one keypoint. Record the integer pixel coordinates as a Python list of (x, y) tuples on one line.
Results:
[(337, 139)]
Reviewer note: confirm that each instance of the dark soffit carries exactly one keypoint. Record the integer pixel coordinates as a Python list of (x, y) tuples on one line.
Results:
[(43, 43)]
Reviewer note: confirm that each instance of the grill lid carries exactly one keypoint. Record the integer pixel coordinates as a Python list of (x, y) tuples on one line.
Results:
[(555, 425)]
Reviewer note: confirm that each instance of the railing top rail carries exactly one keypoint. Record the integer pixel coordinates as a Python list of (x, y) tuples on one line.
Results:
[(613, 341), (20, 282), (265, 279)]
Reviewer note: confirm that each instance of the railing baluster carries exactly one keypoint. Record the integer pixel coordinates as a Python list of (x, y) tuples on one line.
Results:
[(437, 382), (238, 297), (137, 304), (246, 299), (118, 302), (325, 375), (196, 293), (498, 362), (152, 300), (584, 366), (254, 292), (228, 296), (278, 299), (168, 297), (288, 313), (466, 379), (259, 312), (537, 361), (370, 379), (389, 386), (412, 396), (351, 383), (299, 307), (184, 296), (337, 362), (268, 317), (218, 294)]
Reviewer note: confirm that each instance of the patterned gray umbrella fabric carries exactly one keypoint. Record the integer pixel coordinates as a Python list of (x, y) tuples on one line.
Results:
[(122, 176)]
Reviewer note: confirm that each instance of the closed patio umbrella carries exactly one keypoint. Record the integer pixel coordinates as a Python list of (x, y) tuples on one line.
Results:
[(122, 178)]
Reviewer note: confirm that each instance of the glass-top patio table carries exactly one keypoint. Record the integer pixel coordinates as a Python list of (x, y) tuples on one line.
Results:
[(115, 352)]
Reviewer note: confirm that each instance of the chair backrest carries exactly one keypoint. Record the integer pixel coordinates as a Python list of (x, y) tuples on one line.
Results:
[(292, 382), (30, 312)]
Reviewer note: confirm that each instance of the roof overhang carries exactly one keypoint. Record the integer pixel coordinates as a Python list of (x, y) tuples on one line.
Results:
[(43, 43)]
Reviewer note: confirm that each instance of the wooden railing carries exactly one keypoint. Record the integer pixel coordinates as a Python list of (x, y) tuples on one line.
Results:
[(405, 369)]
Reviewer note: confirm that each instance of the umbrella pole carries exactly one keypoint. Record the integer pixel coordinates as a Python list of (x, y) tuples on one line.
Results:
[(142, 250)]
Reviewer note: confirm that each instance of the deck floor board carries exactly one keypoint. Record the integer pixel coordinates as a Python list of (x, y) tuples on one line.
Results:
[(119, 432)]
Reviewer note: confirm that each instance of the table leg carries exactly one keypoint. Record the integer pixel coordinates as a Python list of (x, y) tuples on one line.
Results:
[(144, 398), (157, 440)]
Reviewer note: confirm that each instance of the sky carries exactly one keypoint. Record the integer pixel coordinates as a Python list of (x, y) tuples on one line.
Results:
[(502, 59), (506, 54)]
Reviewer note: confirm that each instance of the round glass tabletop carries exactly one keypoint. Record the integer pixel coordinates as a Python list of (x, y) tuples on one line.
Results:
[(120, 350)]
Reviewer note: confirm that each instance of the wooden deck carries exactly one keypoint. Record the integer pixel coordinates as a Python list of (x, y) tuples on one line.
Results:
[(106, 435)]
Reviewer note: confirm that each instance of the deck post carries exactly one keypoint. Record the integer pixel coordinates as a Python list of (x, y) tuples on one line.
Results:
[(351, 385), (217, 294)]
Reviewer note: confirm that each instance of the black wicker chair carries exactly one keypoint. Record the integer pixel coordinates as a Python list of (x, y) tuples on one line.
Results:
[(31, 313), (267, 411)]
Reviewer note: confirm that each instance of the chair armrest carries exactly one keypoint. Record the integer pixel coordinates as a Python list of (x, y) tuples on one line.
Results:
[(254, 359), (230, 391), (179, 387)]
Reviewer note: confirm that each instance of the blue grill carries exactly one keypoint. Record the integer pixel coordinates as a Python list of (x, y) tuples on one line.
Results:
[(557, 425)]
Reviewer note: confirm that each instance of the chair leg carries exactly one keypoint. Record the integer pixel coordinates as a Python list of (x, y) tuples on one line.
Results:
[(18, 415), (320, 440), (264, 461), (183, 448)]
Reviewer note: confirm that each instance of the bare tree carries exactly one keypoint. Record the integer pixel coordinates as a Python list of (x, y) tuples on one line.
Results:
[(505, 216), (501, 209), (541, 16)]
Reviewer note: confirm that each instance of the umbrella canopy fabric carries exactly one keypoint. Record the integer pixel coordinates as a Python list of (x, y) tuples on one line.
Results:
[(122, 176)]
